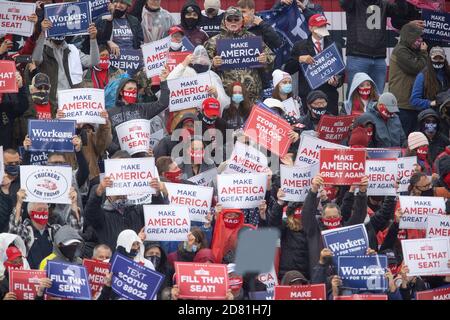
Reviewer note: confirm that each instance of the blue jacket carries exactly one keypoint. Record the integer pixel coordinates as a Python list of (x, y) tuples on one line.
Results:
[(389, 133), (418, 100)]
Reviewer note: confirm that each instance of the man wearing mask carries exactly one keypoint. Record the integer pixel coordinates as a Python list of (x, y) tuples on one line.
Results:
[(190, 22), (303, 53), (155, 20), (389, 132), (176, 34), (168, 170), (316, 102), (102, 252), (211, 18), (429, 124), (40, 94), (9, 186), (62, 62)]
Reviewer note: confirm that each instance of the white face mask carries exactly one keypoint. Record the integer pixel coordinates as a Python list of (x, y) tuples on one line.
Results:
[(175, 45)]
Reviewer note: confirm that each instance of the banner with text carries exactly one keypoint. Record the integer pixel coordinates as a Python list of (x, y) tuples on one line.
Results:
[(188, 92), (83, 105), (8, 83), (129, 60), (246, 159), (134, 136), (25, 283), (405, 171), (14, 18), (51, 135), (436, 294), (296, 181), (437, 26), (363, 272), (241, 191), (342, 167), (382, 177), (416, 210), (68, 19), (166, 223), (308, 292), (240, 53), (155, 56), (68, 281), (438, 226), (334, 129), (309, 148), (347, 241), (97, 271), (204, 178)]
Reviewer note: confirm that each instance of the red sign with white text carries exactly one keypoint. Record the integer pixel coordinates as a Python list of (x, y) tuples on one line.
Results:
[(342, 166), (334, 129), (8, 81), (363, 297), (268, 130), (202, 281), (25, 283), (309, 292), (97, 271), (436, 294), (173, 59)]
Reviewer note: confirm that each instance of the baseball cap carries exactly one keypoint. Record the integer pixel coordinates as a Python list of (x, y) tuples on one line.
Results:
[(41, 79), (233, 11), (318, 20), (390, 101), (437, 51), (71, 241), (211, 107), (175, 29), (13, 253)]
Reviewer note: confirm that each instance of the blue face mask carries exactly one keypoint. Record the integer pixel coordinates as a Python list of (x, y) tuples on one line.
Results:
[(237, 98), (430, 127), (12, 169), (286, 88)]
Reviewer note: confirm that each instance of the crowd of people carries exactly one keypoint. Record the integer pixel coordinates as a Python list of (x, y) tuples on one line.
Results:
[(411, 112)]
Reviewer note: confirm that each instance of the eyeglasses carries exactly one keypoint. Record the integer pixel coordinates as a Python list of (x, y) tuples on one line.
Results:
[(233, 19), (425, 187)]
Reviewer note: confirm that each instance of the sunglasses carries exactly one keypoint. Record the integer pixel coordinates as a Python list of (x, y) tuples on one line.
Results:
[(233, 19)]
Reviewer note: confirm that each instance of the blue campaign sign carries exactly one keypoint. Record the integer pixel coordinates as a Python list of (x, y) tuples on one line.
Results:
[(347, 241), (68, 281), (437, 25), (98, 8), (328, 63), (51, 135), (363, 272), (132, 281), (240, 53), (374, 153), (130, 60), (38, 158), (187, 45), (260, 295), (68, 19)]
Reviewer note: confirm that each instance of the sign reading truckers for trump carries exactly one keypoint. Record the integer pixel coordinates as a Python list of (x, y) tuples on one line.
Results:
[(14, 18), (68, 19), (363, 272), (8, 83), (240, 53), (202, 281), (155, 56), (334, 129), (25, 283), (309, 148), (268, 130), (382, 177), (196, 198), (308, 292), (296, 181), (326, 64), (204, 178), (166, 223), (428, 256), (51, 135), (240, 190), (134, 136), (347, 241), (437, 25), (97, 271), (188, 92), (99, 8), (436, 294), (438, 226), (405, 171), (132, 281), (47, 184), (416, 210), (68, 281), (342, 167), (83, 105), (246, 159), (130, 176)]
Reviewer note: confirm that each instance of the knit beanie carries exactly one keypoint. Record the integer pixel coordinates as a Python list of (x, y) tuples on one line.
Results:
[(417, 140), (359, 138)]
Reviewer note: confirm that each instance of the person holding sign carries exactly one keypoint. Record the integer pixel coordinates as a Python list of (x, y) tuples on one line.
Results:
[(193, 161), (282, 90)]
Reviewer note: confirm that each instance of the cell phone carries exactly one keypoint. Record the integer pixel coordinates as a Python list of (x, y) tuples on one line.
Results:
[(24, 59)]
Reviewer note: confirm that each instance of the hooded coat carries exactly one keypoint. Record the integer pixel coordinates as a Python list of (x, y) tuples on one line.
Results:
[(388, 134), (359, 78), (438, 142), (405, 64), (155, 25), (195, 35), (363, 120)]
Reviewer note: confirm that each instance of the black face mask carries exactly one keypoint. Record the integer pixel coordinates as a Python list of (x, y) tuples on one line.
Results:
[(199, 68), (318, 112), (13, 170), (119, 13), (191, 23), (207, 120), (69, 251), (40, 97), (155, 260), (327, 260), (427, 193), (58, 42)]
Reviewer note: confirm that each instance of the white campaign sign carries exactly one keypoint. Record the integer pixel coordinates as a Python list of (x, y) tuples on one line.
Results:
[(416, 210), (241, 191), (204, 178), (382, 176), (155, 56), (134, 135), (309, 149), (246, 159), (188, 92), (130, 176), (296, 181), (48, 184), (137, 199), (166, 223), (196, 198), (405, 171), (83, 105), (438, 226), (291, 108), (426, 256), (14, 18)]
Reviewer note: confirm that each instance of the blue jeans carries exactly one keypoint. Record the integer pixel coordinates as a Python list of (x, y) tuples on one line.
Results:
[(375, 68)]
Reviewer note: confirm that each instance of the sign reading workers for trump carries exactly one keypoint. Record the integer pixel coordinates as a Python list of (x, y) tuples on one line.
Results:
[(308, 292), (268, 129), (188, 92), (14, 18), (25, 283), (68, 281), (334, 129), (202, 281), (155, 56), (240, 53), (134, 135), (68, 19), (97, 271), (382, 175), (326, 64), (436, 294), (241, 190), (129, 60), (51, 135), (166, 223), (416, 210), (363, 272), (99, 8), (309, 149), (347, 241), (437, 25), (342, 167), (130, 176), (196, 198), (296, 181), (427, 256), (438, 226), (83, 105), (246, 159), (8, 83), (405, 171)]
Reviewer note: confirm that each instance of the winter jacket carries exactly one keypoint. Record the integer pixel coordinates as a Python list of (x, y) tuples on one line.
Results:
[(389, 133), (195, 35), (418, 99), (7, 203), (437, 142), (358, 79), (105, 28), (12, 106), (363, 120), (306, 47), (362, 40), (405, 64)]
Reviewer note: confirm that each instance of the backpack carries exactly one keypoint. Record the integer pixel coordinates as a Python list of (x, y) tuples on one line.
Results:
[(111, 90)]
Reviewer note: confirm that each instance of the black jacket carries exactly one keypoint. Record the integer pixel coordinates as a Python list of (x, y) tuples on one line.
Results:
[(7, 203), (310, 10), (105, 27), (439, 141), (12, 106)]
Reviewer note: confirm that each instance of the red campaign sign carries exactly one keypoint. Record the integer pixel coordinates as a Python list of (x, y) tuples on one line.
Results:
[(25, 283), (309, 292), (8, 81), (334, 129), (97, 271), (268, 130), (363, 297), (202, 281), (173, 59), (436, 294), (342, 167)]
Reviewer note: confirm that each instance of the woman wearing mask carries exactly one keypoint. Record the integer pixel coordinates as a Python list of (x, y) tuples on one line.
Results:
[(187, 250), (418, 145), (100, 75), (363, 92), (365, 121), (435, 78), (317, 106), (193, 162), (239, 110), (282, 90)]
